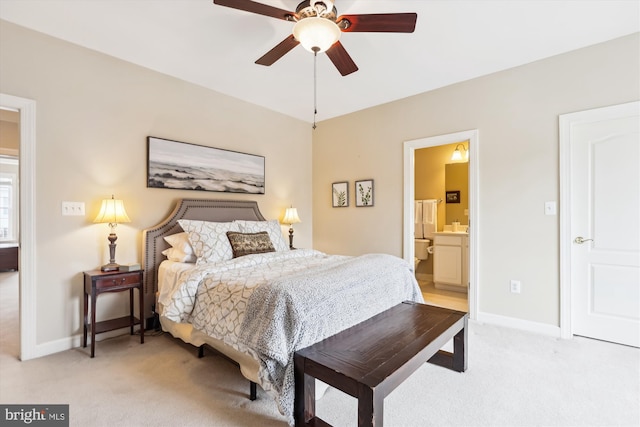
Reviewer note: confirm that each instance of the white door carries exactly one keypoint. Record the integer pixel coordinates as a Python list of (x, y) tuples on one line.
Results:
[(604, 194)]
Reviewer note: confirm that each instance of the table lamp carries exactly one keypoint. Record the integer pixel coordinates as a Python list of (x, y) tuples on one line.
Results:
[(291, 217), (112, 212)]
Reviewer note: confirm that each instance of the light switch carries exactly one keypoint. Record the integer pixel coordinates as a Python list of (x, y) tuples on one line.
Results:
[(549, 208), (73, 208)]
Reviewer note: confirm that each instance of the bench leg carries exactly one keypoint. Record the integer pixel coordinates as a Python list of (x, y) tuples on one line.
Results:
[(460, 348), (456, 361), (370, 406), (304, 406)]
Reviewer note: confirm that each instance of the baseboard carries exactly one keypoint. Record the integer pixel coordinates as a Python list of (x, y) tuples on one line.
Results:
[(515, 323), (74, 341), (56, 346)]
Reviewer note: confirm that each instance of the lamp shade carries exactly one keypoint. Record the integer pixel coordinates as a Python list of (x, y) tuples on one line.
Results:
[(291, 216), (112, 212), (316, 34)]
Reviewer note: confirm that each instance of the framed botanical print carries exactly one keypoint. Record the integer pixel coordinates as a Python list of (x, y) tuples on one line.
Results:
[(364, 193), (340, 194)]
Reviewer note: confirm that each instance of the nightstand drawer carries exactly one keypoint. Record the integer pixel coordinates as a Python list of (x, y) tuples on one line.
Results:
[(119, 280)]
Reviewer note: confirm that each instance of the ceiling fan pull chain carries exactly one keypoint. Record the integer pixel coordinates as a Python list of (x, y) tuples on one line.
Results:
[(315, 84)]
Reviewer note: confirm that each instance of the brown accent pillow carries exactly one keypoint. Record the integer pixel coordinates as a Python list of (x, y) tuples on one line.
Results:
[(249, 243)]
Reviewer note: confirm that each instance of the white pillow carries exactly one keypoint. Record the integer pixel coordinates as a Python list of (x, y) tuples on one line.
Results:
[(175, 254), (209, 239), (271, 227), (180, 241)]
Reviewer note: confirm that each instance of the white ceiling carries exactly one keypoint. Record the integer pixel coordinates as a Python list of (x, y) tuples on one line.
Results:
[(215, 46)]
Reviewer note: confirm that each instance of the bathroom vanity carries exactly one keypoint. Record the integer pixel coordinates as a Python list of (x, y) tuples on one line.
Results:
[(451, 261)]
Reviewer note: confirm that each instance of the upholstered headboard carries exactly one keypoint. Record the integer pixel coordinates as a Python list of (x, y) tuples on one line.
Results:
[(153, 242)]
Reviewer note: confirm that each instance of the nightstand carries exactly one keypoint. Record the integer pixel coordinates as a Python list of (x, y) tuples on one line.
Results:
[(97, 282)]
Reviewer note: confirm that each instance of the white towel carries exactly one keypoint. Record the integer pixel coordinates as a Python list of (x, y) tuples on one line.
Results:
[(430, 217), (418, 232)]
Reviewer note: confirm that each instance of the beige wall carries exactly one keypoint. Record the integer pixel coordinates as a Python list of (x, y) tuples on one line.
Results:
[(516, 112), (94, 113)]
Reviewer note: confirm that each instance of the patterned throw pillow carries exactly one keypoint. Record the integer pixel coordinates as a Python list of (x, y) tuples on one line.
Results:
[(249, 243), (272, 227), (209, 239)]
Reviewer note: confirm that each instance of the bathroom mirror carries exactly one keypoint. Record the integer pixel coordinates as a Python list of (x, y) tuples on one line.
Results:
[(457, 179)]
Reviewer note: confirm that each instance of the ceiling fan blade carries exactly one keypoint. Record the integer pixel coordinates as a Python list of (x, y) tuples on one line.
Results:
[(341, 59), (379, 23), (279, 51), (259, 8)]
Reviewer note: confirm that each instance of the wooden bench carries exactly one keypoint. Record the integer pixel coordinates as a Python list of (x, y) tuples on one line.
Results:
[(372, 358)]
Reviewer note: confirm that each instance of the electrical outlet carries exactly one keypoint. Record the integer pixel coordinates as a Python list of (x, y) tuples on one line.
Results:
[(73, 208), (549, 208), (515, 286)]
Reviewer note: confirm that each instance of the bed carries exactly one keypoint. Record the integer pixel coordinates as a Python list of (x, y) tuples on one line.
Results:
[(263, 302)]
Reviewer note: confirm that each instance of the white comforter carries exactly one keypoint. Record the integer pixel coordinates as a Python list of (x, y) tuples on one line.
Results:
[(270, 305)]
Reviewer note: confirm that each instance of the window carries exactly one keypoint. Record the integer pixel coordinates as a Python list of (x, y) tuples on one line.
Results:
[(9, 200)]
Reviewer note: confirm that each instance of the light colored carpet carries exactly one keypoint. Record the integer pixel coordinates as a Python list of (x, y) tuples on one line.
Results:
[(514, 379)]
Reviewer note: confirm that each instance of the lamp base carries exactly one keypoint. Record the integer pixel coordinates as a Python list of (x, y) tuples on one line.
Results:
[(110, 267), (291, 238)]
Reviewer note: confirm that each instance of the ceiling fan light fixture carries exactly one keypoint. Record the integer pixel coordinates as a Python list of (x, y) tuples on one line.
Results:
[(316, 34), (322, 7)]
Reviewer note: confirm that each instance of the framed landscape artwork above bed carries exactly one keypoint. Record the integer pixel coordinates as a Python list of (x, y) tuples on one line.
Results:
[(185, 166)]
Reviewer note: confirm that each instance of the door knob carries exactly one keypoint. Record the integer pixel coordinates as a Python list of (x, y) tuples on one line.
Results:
[(580, 240)]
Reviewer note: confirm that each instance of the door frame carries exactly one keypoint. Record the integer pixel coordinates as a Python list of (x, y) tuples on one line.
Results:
[(474, 212), (567, 121), (27, 193)]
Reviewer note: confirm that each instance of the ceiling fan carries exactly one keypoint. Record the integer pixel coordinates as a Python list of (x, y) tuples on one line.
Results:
[(318, 28)]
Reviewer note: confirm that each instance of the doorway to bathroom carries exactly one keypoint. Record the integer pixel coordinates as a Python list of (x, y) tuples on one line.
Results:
[(446, 216)]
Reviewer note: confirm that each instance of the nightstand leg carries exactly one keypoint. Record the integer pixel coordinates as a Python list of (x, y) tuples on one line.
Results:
[(141, 295), (93, 323), (86, 312), (131, 309)]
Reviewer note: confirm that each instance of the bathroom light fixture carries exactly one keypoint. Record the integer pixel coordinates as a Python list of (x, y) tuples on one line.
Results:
[(291, 217), (112, 212), (457, 154)]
